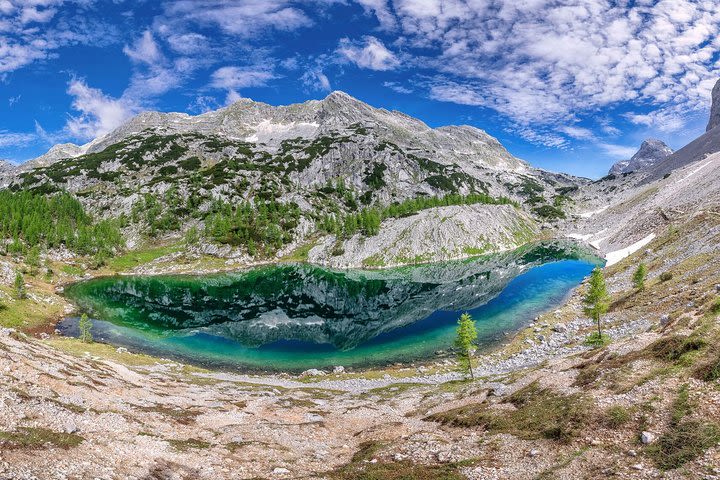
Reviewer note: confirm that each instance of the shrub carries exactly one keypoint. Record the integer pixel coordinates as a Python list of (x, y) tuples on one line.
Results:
[(540, 413), (709, 369), (684, 442), (616, 416), (666, 276), (597, 340), (673, 347)]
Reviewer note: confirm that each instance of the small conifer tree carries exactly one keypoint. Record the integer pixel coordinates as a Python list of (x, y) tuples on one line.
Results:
[(465, 342), (597, 299), (85, 325), (638, 278), (20, 291)]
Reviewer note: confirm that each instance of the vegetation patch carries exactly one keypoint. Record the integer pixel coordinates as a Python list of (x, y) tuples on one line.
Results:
[(27, 437), (686, 438), (362, 467), (538, 413), (185, 445)]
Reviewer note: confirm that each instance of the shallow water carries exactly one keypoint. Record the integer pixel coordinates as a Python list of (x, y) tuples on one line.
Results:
[(294, 317)]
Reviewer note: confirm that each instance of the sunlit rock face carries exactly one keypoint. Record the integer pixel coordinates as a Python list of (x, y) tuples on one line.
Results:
[(304, 302), (651, 153)]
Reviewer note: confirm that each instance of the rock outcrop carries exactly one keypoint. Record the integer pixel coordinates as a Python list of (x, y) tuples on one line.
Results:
[(651, 153), (715, 108), (56, 153)]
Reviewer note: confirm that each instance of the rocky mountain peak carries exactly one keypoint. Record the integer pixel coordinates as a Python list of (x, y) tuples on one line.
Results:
[(5, 166), (57, 152), (715, 108), (651, 152)]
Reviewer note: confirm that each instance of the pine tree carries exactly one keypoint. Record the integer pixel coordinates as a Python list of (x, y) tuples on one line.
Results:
[(638, 278), (465, 341), (20, 292), (85, 325), (596, 300)]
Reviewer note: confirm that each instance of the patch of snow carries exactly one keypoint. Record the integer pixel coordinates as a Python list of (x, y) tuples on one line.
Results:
[(596, 243), (614, 257), (694, 171), (594, 212), (579, 236)]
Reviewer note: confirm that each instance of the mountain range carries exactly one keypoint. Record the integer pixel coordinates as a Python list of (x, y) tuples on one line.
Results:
[(327, 165)]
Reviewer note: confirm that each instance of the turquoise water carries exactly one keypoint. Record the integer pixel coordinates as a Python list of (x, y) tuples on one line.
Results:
[(295, 317)]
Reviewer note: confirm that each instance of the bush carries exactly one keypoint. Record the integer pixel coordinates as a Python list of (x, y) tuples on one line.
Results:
[(684, 442), (597, 340), (673, 347), (616, 416), (540, 413), (666, 276)]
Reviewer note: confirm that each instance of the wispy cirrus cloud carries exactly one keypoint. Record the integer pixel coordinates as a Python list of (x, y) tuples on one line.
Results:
[(546, 62), (368, 53)]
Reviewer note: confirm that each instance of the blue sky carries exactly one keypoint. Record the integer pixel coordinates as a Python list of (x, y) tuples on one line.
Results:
[(569, 85)]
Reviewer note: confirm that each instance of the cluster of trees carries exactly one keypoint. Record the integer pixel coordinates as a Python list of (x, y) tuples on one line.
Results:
[(367, 221), (33, 221), (262, 228)]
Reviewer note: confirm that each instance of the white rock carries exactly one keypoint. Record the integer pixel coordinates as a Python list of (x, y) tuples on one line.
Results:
[(534, 452), (339, 369), (647, 437), (280, 471)]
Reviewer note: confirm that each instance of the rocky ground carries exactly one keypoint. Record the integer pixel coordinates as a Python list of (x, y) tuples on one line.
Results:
[(544, 406)]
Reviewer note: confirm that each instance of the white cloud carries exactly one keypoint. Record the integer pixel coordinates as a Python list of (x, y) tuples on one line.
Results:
[(577, 133), (371, 54), (240, 77), (620, 152), (234, 78), (243, 19), (34, 30), (552, 62), (397, 87), (144, 50), (14, 139), (316, 80), (99, 113), (382, 12)]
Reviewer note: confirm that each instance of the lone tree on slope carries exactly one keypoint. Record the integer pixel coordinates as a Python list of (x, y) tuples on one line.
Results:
[(465, 342), (638, 278), (20, 292), (85, 324), (596, 300)]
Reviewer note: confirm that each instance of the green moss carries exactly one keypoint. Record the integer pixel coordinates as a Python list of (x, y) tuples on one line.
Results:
[(185, 445), (26, 437)]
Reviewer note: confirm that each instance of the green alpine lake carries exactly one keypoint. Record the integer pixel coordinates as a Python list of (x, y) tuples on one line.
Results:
[(292, 317)]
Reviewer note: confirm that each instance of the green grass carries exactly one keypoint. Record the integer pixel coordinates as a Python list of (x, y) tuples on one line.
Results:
[(72, 270), (683, 443), (300, 254), (597, 340), (26, 437), (26, 313), (539, 413), (616, 416), (136, 258), (185, 445), (361, 468), (686, 438)]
